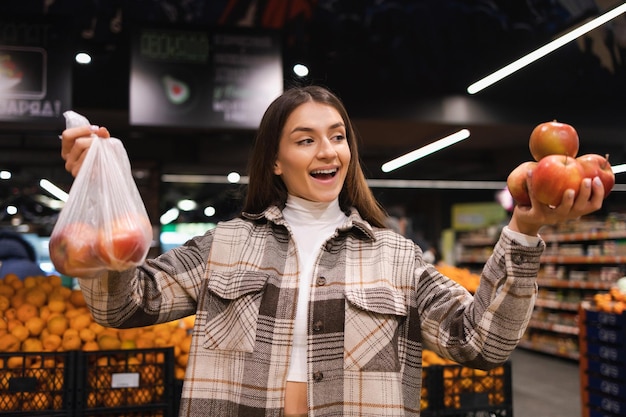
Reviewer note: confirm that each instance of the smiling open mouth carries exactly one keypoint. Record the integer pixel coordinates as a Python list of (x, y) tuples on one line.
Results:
[(324, 174)]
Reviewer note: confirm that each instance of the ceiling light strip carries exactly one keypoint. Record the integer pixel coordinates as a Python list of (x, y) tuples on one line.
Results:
[(437, 184), (545, 50), (200, 179), (425, 150)]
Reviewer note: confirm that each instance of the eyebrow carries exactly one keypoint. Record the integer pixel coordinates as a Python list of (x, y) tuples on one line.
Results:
[(308, 129)]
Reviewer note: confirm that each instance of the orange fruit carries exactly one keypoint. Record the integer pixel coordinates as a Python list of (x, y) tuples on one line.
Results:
[(6, 290), (18, 284), (81, 321), (26, 311), (35, 325), (30, 282), (58, 325), (96, 327), (36, 296), (32, 344), (77, 299), (71, 340), (21, 332), (57, 305), (51, 342), (55, 280), (91, 346), (15, 362), (87, 335), (5, 303), (109, 342), (10, 313), (9, 343), (128, 334)]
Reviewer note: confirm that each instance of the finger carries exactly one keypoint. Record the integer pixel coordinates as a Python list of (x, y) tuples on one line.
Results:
[(76, 156), (69, 136)]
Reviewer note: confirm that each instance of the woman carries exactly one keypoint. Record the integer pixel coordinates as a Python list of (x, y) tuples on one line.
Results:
[(306, 304)]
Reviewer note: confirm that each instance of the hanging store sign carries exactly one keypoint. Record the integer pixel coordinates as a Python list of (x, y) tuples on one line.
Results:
[(203, 79), (35, 71)]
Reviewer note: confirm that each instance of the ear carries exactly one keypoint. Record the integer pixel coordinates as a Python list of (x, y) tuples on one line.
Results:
[(277, 169)]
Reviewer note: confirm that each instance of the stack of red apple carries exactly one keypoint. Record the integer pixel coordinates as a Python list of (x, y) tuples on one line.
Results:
[(80, 249), (556, 166)]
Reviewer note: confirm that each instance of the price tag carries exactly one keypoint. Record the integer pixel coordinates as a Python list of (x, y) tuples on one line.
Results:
[(125, 380)]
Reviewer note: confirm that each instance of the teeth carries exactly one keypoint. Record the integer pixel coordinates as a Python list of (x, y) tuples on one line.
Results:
[(324, 171)]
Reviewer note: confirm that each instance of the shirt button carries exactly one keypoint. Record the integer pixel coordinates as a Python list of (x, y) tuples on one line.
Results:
[(321, 281), (318, 325), (318, 376), (518, 259)]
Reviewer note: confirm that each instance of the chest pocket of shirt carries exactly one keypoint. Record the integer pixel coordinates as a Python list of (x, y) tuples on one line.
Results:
[(371, 329), (231, 301)]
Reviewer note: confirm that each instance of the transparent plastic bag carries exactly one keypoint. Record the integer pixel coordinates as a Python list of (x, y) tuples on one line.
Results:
[(104, 224)]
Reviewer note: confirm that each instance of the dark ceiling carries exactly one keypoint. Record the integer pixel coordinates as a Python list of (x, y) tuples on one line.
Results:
[(402, 68)]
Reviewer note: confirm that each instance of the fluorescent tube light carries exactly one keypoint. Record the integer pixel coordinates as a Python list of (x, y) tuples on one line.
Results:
[(617, 169), (545, 50), (53, 189), (425, 150)]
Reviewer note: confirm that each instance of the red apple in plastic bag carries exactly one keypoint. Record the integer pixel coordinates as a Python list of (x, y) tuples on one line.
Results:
[(72, 250), (124, 242), (553, 175)]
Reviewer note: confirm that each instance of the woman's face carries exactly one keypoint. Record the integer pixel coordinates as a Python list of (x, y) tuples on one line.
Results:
[(313, 153)]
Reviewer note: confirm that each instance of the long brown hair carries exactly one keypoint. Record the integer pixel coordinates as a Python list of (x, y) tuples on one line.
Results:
[(265, 188)]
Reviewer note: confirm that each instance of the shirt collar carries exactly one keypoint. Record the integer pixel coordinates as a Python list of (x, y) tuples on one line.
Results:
[(275, 215)]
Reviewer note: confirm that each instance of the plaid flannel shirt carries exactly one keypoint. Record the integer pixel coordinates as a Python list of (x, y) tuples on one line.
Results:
[(374, 305)]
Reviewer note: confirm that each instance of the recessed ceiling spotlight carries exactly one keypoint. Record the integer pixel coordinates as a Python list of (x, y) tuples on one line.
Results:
[(83, 58), (233, 177), (301, 70)]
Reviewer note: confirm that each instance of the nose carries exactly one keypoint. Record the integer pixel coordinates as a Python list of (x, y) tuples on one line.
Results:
[(326, 149)]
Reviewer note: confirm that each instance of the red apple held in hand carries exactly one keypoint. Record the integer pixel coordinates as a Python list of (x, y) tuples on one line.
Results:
[(553, 137), (553, 175), (517, 184), (72, 250), (124, 242), (595, 165)]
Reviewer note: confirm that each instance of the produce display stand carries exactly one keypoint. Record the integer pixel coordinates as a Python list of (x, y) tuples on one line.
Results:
[(115, 383), (457, 391), (602, 362)]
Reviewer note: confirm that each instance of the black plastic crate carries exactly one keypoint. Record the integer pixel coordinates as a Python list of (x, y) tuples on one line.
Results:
[(457, 391), (36, 383), (608, 404), (126, 383)]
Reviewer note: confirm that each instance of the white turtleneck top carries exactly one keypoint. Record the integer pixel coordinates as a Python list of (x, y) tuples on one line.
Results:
[(311, 223)]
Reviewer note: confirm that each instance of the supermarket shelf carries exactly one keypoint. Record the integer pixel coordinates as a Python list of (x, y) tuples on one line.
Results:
[(584, 236), (556, 304), (583, 285), (583, 259), (549, 349), (554, 327)]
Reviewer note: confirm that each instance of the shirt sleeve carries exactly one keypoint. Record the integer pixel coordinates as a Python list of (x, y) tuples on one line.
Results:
[(522, 239), (481, 329)]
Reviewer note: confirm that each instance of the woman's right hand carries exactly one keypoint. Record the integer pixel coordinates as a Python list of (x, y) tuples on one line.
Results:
[(75, 142)]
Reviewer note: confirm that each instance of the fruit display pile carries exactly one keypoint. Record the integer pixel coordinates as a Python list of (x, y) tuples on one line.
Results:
[(461, 383), (39, 314), (556, 166), (463, 276), (613, 301)]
